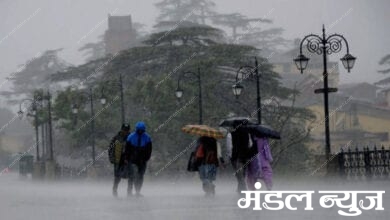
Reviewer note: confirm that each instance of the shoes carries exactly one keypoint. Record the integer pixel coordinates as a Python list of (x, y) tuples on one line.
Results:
[(209, 189), (212, 189), (139, 195), (115, 193)]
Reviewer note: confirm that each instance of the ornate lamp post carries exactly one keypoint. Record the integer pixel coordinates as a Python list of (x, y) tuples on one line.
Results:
[(249, 71), (325, 45), (75, 110), (34, 114), (179, 92)]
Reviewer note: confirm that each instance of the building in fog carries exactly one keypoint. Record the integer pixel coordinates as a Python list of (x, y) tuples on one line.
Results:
[(365, 92), (120, 34)]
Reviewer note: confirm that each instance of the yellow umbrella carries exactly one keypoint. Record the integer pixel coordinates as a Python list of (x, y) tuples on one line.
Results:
[(202, 130)]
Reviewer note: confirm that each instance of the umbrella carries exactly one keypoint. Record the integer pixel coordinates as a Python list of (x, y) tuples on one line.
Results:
[(263, 131), (202, 130), (236, 122)]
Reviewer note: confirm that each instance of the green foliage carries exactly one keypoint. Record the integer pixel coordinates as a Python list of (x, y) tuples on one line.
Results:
[(150, 76)]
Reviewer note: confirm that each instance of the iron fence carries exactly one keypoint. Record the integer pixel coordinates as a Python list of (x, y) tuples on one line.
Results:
[(365, 164)]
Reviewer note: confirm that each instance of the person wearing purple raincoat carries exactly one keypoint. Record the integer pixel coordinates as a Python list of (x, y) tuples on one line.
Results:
[(260, 164)]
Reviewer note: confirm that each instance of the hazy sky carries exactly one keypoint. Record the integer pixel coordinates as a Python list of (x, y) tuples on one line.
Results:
[(28, 27)]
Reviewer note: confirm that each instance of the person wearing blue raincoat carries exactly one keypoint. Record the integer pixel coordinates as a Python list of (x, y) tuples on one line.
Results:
[(138, 152)]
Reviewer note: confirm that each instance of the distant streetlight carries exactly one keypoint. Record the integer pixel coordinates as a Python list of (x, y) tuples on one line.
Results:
[(237, 87), (34, 114), (179, 92), (75, 110)]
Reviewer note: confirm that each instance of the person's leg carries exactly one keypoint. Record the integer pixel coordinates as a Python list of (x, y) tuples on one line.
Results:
[(117, 179), (203, 178), (130, 181), (212, 177), (252, 175), (267, 177), (240, 169), (139, 177)]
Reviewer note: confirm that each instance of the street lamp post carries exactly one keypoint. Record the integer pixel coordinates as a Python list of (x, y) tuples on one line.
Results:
[(122, 101), (237, 87), (35, 115), (48, 97), (120, 85), (179, 91), (325, 45), (75, 111)]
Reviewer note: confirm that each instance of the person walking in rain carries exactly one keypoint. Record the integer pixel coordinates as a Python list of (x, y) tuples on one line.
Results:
[(207, 154), (238, 144), (138, 152), (259, 167), (116, 156)]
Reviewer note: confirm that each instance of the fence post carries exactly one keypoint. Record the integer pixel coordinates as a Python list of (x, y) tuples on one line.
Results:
[(341, 163), (367, 162)]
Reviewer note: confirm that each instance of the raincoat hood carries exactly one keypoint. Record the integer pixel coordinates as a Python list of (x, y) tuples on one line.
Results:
[(140, 127), (139, 138)]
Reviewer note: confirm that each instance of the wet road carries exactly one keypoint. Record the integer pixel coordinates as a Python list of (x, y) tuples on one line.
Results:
[(27, 199)]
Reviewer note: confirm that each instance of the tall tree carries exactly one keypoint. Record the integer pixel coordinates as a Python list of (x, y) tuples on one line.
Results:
[(36, 72), (268, 40), (236, 22), (196, 11), (94, 51), (150, 76)]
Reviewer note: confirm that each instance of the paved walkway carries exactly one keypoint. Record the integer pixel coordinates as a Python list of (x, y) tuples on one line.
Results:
[(26, 199)]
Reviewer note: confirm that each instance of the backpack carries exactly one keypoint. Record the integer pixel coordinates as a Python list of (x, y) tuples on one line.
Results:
[(111, 151)]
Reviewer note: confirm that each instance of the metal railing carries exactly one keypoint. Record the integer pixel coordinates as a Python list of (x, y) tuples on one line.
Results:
[(366, 164)]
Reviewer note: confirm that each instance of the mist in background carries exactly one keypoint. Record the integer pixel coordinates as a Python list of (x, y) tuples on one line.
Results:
[(31, 27)]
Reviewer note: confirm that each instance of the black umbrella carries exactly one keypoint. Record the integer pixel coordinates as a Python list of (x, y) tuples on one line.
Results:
[(235, 122), (263, 131)]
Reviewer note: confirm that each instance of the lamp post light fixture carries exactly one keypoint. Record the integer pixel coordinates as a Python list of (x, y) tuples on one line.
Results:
[(238, 88), (179, 92), (325, 45)]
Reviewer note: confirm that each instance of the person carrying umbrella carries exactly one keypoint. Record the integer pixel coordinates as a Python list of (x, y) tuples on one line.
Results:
[(207, 154), (259, 167), (238, 144), (250, 151)]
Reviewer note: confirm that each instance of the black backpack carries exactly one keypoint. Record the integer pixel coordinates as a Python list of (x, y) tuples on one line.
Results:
[(111, 151)]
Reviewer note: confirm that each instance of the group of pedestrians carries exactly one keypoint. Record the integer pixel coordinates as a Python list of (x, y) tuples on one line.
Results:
[(251, 158), (249, 154), (130, 152)]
